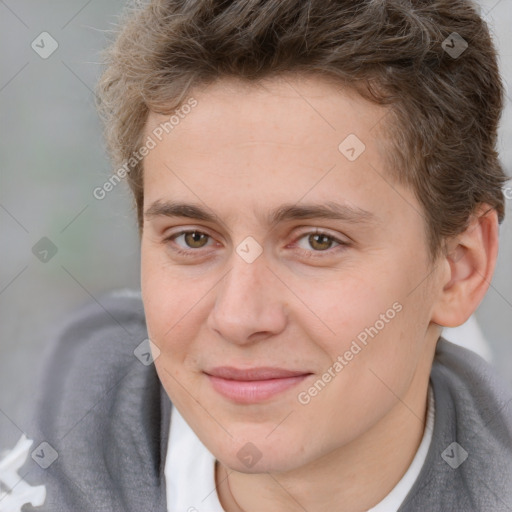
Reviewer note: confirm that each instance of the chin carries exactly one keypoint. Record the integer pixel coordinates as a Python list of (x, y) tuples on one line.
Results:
[(258, 454), (265, 465)]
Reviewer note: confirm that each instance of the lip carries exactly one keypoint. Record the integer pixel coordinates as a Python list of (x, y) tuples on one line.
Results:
[(252, 385), (256, 373)]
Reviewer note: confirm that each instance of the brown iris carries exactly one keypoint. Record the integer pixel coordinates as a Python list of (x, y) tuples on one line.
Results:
[(195, 237), (320, 242)]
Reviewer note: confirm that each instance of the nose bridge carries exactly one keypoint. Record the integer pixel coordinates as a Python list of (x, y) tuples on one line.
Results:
[(246, 301), (245, 286)]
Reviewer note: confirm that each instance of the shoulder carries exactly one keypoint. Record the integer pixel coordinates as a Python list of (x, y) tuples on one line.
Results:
[(99, 407), (474, 385), (469, 463), (118, 313), (95, 346)]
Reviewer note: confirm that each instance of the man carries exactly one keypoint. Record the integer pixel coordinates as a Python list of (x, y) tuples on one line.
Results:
[(318, 194)]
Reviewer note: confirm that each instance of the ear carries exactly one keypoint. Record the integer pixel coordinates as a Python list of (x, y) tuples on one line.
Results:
[(468, 268)]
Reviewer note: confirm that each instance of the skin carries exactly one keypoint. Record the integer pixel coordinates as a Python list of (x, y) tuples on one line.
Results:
[(243, 151)]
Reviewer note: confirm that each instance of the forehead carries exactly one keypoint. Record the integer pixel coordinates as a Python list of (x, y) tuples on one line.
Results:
[(263, 145), (283, 110)]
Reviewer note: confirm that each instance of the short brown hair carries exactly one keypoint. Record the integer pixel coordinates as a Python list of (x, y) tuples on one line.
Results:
[(444, 109)]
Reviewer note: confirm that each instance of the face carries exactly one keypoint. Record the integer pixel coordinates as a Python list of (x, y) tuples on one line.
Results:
[(297, 253)]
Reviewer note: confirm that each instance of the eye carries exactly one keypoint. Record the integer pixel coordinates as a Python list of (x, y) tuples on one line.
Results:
[(193, 240), (320, 242), (310, 244)]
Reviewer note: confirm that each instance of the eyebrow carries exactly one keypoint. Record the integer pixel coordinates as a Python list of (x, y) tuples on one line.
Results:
[(286, 212)]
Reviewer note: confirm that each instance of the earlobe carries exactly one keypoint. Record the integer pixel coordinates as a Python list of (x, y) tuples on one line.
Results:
[(469, 262)]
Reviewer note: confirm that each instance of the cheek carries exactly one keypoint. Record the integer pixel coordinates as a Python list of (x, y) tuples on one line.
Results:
[(342, 308), (372, 321), (168, 303), (169, 310)]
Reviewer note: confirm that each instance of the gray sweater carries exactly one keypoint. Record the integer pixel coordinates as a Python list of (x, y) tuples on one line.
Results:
[(107, 417)]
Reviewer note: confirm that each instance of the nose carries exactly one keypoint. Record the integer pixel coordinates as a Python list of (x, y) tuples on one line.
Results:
[(250, 304)]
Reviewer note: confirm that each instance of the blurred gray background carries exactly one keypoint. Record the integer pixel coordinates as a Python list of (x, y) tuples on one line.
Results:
[(52, 157)]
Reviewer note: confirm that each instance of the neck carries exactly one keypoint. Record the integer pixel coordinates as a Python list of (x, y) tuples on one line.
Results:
[(358, 475)]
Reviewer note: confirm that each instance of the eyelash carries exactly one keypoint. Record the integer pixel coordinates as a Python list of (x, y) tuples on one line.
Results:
[(308, 254)]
